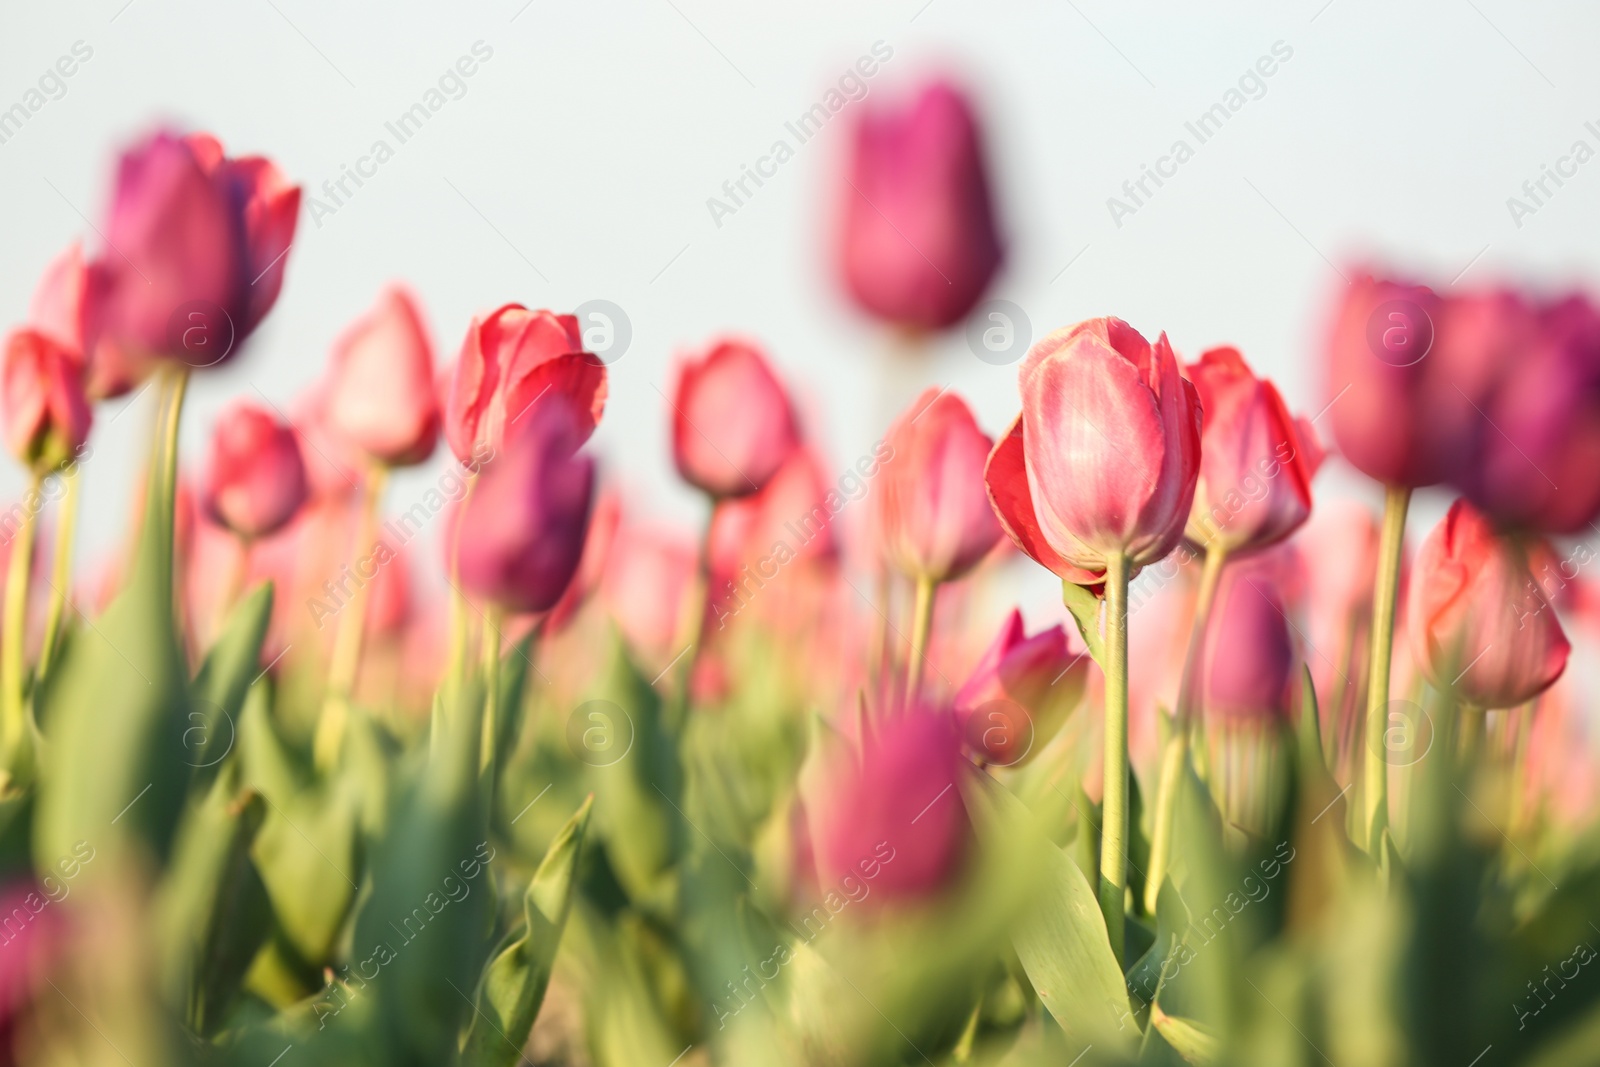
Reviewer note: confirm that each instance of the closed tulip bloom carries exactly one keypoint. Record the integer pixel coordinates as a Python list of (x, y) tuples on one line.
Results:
[(732, 424), (932, 506), (379, 397), (644, 587), (509, 358), (1256, 460), (257, 480), (1479, 625), (47, 414), (919, 242), (1020, 693), (1248, 661), (1104, 457), (62, 304), (896, 812), (525, 523)]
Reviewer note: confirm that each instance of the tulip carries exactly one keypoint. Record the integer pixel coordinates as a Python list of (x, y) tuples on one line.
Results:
[(603, 525), (257, 480), (47, 414), (1248, 662), (644, 588), (63, 303), (918, 242), (1479, 625), (523, 528), (1020, 693), (380, 397), (196, 244), (753, 541), (510, 358), (894, 817), (732, 424)]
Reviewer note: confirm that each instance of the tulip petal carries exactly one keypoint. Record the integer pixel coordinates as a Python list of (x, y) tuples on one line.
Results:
[(1006, 477)]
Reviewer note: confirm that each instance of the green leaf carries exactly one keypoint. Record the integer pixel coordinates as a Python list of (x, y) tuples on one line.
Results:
[(512, 985), (1085, 608), (1196, 1043), (220, 686)]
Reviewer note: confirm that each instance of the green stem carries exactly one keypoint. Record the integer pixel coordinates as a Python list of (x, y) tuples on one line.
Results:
[(14, 635), (61, 567), (1385, 595), (1176, 754), (1470, 733), (459, 621), (921, 626), (492, 619), (347, 642), (1114, 818)]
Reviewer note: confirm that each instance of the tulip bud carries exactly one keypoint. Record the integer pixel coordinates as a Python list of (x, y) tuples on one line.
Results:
[(1479, 624), (732, 425), (1104, 457), (524, 527), (895, 817), (379, 396), (257, 480), (1020, 693), (932, 508), (47, 414), (510, 358), (918, 244), (62, 305), (1248, 661)]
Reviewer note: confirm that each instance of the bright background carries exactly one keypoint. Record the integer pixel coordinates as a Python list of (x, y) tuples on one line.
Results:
[(578, 165)]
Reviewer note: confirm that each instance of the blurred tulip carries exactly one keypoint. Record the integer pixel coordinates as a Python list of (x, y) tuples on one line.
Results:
[(47, 414), (62, 305), (1020, 693), (755, 540), (379, 395), (510, 358), (918, 242), (193, 235), (31, 940), (644, 587), (256, 480), (1256, 460), (895, 818), (1103, 459), (732, 424), (932, 508), (523, 529), (1479, 625), (592, 565), (1248, 662)]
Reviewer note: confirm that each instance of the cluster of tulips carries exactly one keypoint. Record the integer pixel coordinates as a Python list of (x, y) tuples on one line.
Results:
[(632, 796)]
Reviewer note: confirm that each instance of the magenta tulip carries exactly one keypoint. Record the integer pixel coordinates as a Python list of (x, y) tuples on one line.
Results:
[(1020, 693), (732, 424), (379, 396), (1248, 661), (256, 480)]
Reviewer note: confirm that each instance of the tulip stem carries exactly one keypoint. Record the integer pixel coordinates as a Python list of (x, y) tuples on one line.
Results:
[(61, 568), (921, 626), (1176, 754), (15, 633), (1114, 807), (458, 600), (493, 617), (352, 626), (1385, 595)]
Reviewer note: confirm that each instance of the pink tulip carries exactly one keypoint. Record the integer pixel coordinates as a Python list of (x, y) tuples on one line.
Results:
[(918, 244), (379, 394), (650, 572), (1248, 661), (62, 305), (47, 414), (523, 530), (932, 507), (894, 818), (603, 525), (257, 480), (1479, 624), (1256, 460), (509, 358), (1020, 693), (732, 424), (1103, 459)]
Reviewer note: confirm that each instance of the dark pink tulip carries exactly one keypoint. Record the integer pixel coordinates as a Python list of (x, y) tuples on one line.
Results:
[(932, 507), (30, 939), (379, 396), (1248, 661), (1479, 624), (592, 566), (509, 358), (523, 530), (918, 244), (257, 479), (1104, 457), (732, 425), (1020, 693), (47, 414), (894, 818)]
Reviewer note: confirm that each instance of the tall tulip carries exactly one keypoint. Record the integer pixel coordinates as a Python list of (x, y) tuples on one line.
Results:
[(918, 242), (732, 425), (380, 395), (1020, 693), (256, 480)]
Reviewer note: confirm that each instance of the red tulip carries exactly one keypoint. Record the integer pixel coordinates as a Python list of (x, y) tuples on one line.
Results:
[(1256, 460), (509, 358), (257, 480), (196, 248), (379, 396), (1479, 624), (1248, 660), (1020, 693), (894, 818), (1104, 457), (732, 425), (932, 507), (47, 414), (918, 244), (524, 527)]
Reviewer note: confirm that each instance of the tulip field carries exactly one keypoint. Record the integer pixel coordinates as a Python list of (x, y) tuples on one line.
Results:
[(306, 771)]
